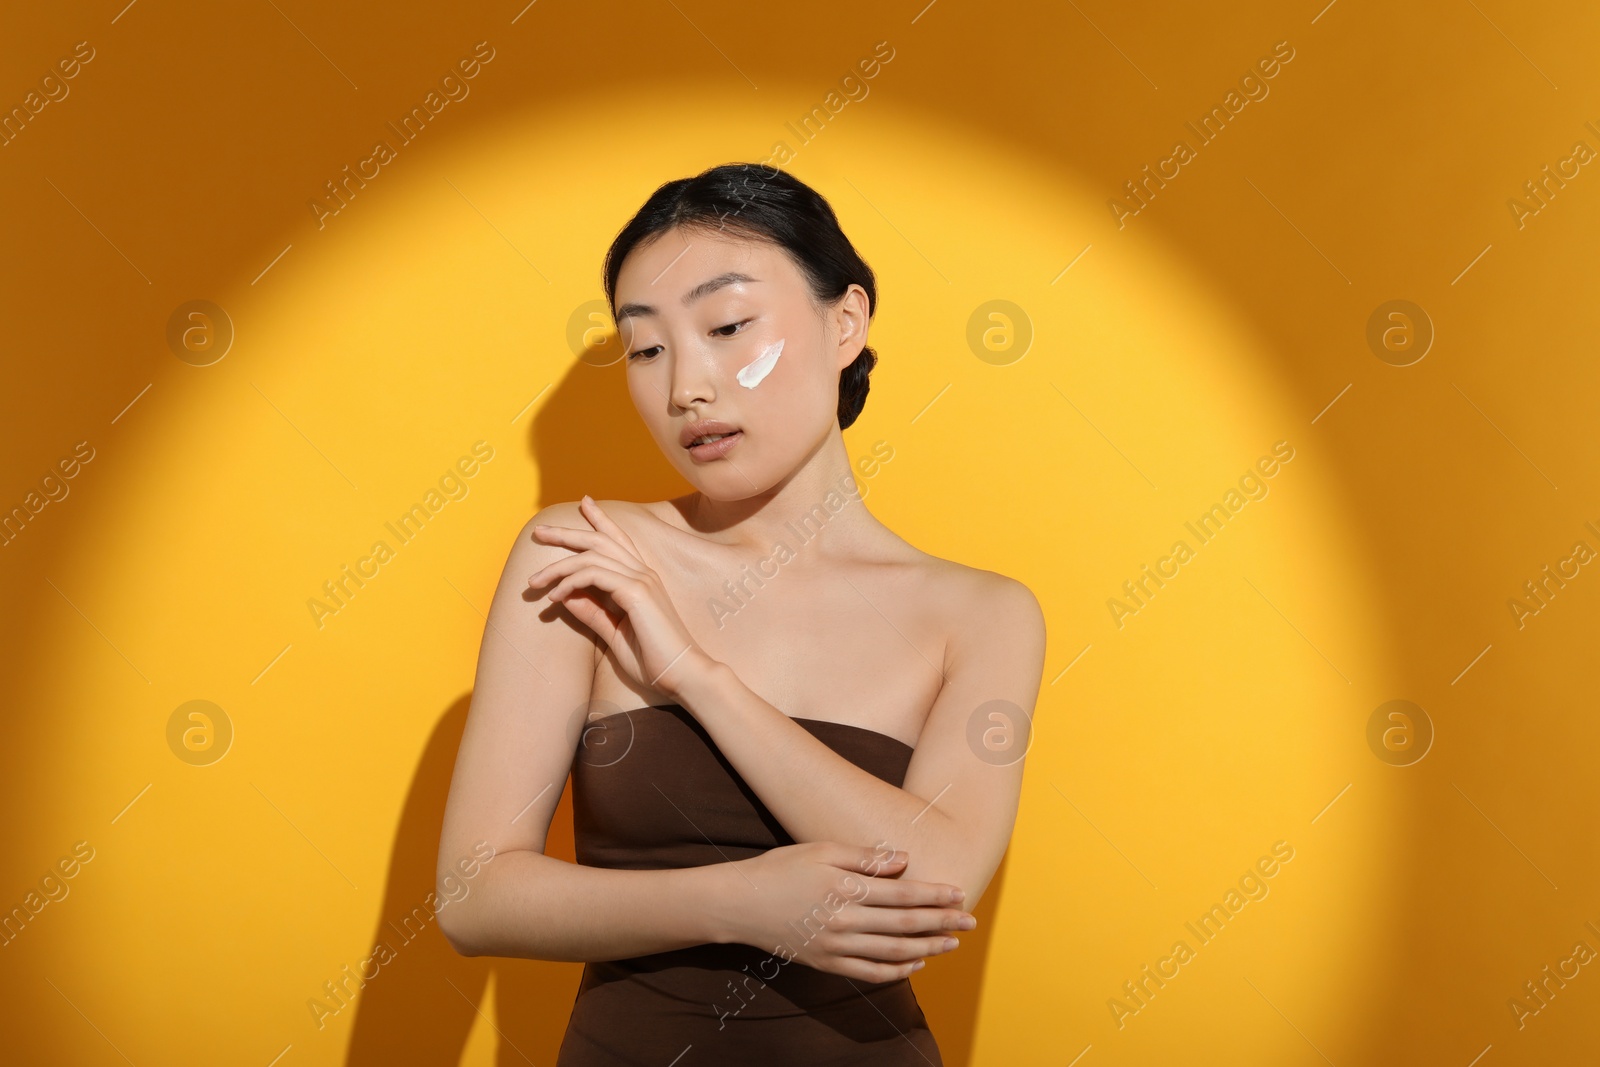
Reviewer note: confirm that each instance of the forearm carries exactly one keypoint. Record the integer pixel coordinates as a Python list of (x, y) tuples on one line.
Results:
[(530, 905), (815, 793)]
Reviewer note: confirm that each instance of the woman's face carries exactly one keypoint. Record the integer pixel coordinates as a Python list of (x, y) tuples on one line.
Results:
[(721, 328)]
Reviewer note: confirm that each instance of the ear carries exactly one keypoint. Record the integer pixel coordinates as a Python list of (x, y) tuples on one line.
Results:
[(850, 320)]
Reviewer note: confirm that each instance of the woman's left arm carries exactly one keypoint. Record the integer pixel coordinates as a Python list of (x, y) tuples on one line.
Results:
[(955, 811)]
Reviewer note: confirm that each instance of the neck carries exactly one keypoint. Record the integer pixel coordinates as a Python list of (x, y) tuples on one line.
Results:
[(816, 511)]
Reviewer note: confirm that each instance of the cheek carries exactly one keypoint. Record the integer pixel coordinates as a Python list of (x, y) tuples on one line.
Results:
[(752, 374), (781, 379), (791, 414)]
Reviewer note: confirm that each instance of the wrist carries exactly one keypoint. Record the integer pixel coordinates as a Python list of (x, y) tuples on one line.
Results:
[(694, 677), (716, 904)]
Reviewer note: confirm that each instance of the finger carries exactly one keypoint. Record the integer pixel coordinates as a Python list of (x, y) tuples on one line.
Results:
[(900, 893), (864, 859), (904, 922), (629, 592), (918, 922), (874, 971), (569, 565), (596, 616), (602, 522), (887, 949), (592, 540), (861, 859), (596, 575)]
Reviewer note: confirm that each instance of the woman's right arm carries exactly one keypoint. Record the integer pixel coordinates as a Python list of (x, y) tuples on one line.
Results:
[(529, 705), (535, 668)]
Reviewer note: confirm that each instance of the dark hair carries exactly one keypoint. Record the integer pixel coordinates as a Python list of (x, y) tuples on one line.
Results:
[(776, 207)]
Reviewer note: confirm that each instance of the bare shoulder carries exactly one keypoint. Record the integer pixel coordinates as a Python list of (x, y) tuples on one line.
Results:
[(633, 514), (645, 524), (633, 517), (978, 601), (529, 551), (628, 513)]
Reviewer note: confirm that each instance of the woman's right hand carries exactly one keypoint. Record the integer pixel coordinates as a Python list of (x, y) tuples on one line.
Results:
[(878, 928)]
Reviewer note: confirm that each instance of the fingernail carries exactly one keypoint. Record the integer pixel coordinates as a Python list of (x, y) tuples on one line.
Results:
[(919, 965), (957, 894), (950, 943), (966, 922)]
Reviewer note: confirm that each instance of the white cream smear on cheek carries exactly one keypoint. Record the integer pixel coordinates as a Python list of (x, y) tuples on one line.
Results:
[(750, 375)]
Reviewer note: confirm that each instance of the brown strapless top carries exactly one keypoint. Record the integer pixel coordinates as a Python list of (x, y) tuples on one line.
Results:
[(650, 790)]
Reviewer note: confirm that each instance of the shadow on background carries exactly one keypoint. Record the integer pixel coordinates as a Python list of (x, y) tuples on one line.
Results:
[(423, 1003)]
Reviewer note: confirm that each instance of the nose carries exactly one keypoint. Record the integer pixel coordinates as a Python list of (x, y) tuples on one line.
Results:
[(692, 374)]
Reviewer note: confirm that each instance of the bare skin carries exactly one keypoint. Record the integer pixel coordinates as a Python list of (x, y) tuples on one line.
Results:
[(628, 604)]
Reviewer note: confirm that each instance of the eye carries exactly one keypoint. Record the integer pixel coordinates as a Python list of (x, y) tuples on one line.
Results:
[(731, 326), (720, 331)]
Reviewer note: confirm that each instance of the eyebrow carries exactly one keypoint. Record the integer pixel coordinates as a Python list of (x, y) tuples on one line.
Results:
[(705, 288)]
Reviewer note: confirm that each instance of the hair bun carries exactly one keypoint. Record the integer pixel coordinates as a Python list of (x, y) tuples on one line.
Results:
[(853, 386)]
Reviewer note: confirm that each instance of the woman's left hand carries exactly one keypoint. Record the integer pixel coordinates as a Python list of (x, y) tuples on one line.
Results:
[(645, 633)]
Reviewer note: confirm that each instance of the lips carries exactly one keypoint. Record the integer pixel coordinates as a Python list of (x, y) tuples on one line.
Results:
[(715, 448), (694, 431)]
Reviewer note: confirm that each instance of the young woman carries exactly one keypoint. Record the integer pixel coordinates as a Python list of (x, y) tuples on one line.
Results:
[(795, 740)]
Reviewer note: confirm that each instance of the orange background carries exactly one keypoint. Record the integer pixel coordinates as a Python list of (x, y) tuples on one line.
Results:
[(1135, 373)]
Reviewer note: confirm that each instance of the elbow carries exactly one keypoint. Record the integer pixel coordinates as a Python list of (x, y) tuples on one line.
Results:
[(456, 938), (456, 927), (974, 887), (462, 946), (467, 911)]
